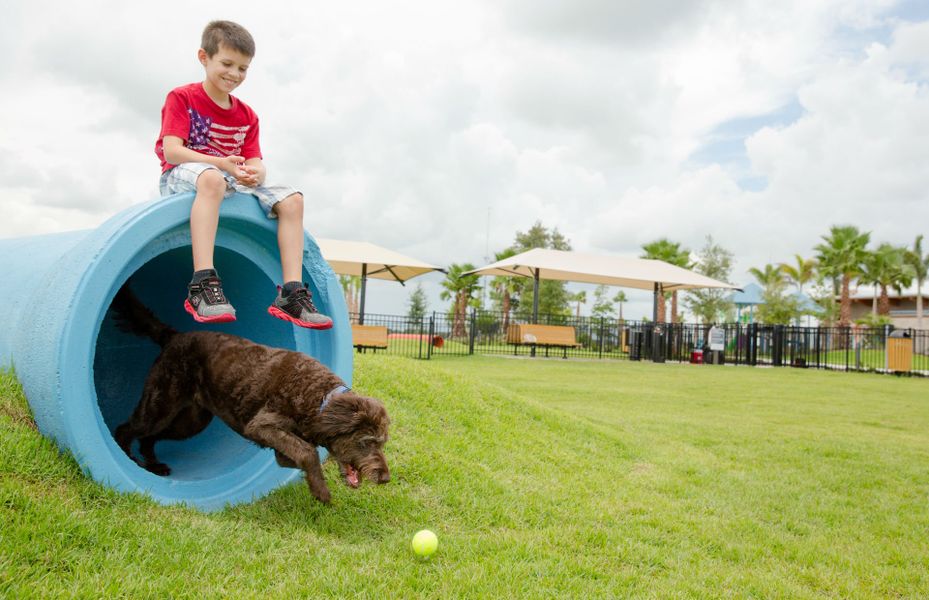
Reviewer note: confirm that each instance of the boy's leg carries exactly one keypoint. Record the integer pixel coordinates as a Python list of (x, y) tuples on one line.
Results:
[(205, 301), (294, 302), (290, 236), (204, 217)]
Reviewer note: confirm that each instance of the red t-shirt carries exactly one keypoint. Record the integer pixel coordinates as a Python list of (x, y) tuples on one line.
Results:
[(190, 114)]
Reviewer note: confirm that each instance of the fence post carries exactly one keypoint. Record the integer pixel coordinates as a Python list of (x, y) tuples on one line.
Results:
[(431, 336), (600, 338), (473, 333), (421, 332)]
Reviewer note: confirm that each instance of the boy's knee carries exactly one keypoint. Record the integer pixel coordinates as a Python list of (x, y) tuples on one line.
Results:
[(211, 182), (290, 206)]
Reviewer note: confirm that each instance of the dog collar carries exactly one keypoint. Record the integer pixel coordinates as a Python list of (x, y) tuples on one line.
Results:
[(340, 389)]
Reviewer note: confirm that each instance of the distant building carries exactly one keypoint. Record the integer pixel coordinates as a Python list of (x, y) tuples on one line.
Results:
[(902, 306)]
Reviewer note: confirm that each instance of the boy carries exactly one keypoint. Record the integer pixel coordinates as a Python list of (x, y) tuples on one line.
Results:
[(209, 145)]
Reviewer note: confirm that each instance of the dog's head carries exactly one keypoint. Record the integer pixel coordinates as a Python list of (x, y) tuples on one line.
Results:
[(355, 430)]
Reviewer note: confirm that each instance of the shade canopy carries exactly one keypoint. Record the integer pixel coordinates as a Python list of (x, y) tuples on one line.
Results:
[(750, 295), (638, 273), (370, 260), (365, 260)]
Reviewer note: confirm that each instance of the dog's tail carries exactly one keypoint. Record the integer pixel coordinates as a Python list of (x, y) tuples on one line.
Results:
[(134, 317)]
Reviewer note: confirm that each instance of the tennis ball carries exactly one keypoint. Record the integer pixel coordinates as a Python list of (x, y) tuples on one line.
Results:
[(425, 543)]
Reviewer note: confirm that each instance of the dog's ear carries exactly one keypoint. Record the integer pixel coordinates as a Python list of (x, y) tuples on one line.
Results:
[(348, 412)]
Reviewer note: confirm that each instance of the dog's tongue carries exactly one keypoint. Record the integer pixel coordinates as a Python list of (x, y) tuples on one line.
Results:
[(351, 475)]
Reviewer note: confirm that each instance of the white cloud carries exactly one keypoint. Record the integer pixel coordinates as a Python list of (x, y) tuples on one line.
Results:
[(440, 129)]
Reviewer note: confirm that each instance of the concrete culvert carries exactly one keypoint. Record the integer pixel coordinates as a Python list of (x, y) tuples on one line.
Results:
[(83, 376)]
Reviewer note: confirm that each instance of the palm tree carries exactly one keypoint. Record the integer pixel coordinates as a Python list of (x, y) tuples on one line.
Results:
[(919, 263), (841, 255), (886, 267), (800, 273), (620, 298), (580, 298), (460, 288), (505, 288), (351, 289), (669, 252), (770, 278)]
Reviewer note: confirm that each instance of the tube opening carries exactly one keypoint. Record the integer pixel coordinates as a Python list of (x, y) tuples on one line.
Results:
[(122, 360)]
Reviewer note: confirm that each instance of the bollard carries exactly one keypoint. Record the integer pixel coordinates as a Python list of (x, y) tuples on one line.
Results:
[(83, 376)]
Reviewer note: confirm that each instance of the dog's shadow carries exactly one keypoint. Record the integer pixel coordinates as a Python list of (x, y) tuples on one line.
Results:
[(369, 512)]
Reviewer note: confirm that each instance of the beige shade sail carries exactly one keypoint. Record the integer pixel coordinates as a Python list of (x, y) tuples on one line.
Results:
[(364, 258), (639, 273)]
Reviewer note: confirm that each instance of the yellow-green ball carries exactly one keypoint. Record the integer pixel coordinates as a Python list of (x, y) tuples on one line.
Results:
[(425, 543)]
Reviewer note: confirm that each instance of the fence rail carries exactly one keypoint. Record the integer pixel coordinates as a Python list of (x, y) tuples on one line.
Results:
[(885, 349)]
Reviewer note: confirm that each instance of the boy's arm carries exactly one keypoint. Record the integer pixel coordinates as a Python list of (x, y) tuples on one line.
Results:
[(176, 153)]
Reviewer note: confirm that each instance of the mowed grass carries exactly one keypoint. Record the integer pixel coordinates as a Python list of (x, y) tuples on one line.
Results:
[(542, 478)]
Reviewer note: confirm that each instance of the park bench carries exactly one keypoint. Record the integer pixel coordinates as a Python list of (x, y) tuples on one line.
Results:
[(369, 336), (526, 334)]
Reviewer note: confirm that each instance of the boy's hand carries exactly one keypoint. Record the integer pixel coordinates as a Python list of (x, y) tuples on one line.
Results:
[(232, 165), (248, 176)]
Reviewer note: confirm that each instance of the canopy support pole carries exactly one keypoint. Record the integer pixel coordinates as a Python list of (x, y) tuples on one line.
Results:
[(364, 282), (535, 298), (655, 302)]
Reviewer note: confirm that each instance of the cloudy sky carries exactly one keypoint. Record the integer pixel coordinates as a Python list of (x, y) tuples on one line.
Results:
[(440, 128)]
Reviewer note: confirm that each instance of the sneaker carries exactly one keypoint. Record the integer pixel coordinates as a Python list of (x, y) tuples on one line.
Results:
[(298, 308), (206, 302)]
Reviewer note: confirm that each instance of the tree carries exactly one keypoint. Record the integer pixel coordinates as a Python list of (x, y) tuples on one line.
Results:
[(841, 256), (711, 305), (887, 267), (603, 306), (778, 308), (919, 265), (620, 298), (553, 296), (580, 298), (669, 252), (351, 288), (504, 289), (417, 304), (802, 272), (460, 288), (770, 277)]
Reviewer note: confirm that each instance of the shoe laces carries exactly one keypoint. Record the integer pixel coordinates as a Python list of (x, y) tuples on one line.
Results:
[(212, 288), (303, 298)]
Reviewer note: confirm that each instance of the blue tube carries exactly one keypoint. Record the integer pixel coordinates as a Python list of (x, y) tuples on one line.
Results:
[(83, 376)]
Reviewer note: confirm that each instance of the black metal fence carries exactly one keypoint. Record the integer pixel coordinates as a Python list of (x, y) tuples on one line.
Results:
[(884, 349)]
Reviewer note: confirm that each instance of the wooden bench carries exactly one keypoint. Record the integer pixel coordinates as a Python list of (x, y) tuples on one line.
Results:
[(369, 336), (525, 334)]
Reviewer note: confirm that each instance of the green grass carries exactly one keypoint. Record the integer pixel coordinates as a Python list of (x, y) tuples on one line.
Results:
[(542, 478)]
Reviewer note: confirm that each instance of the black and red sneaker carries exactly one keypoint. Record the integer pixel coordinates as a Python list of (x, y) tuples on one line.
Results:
[(298, 308), (206, 302)]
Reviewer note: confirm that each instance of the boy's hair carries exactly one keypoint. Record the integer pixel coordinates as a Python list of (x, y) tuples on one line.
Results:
[(232, 35)]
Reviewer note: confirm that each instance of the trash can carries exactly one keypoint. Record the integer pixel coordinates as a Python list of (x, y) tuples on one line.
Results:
[(635, 345), (658, 344), (900, 351)]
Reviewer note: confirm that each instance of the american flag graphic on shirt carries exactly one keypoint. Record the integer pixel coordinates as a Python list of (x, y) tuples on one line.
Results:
[(212, 138)]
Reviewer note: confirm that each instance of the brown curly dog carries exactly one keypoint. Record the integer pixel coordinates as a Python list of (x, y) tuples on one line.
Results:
[(276, 398)]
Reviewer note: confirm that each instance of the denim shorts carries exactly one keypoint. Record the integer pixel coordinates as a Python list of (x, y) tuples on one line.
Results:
[(183, 178)]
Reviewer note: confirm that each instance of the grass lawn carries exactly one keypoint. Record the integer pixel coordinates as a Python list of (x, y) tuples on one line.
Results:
[(542, 479)]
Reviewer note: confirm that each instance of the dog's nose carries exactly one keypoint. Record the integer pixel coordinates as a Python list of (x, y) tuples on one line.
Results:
[(383, 477)]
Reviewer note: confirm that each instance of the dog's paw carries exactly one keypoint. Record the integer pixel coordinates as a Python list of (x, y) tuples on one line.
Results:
[(158, 469), (320, 492)]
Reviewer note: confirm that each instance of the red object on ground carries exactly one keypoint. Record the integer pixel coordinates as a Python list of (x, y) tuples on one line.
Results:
[(696, 357)]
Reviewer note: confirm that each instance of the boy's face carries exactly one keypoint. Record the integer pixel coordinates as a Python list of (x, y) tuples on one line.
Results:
[(226, 69)]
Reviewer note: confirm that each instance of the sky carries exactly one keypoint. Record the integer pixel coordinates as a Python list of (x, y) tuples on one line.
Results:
[(440, 129)]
